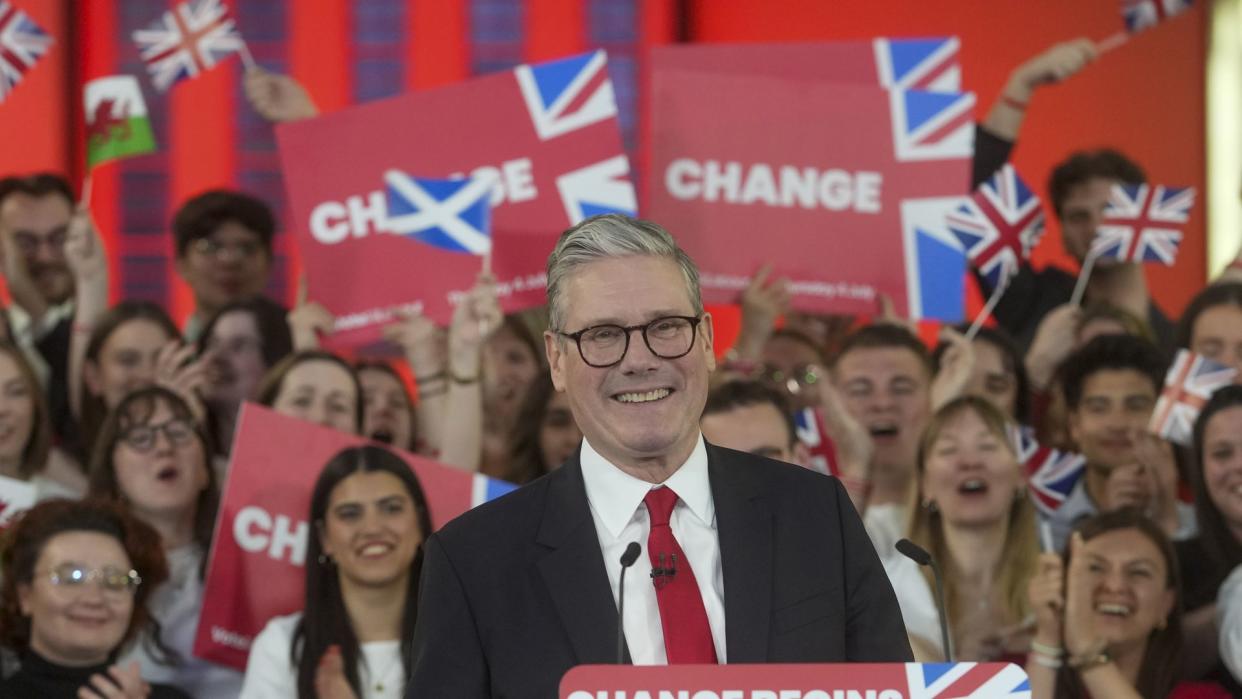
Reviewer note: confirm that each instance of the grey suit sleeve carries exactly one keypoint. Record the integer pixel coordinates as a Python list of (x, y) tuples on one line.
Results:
[(875, 631), (448, 654)]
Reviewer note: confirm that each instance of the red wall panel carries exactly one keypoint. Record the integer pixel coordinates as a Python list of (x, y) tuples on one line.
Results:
[(1145, 98)]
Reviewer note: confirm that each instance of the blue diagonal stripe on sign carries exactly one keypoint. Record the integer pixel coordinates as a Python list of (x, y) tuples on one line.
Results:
[(922, 107), (553, 77), (907, 54)]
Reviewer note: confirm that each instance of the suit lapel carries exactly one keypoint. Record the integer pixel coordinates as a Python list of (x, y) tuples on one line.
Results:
[(574, 568), (744, 527)]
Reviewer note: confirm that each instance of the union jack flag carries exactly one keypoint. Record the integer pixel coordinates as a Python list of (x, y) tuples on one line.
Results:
[(1187, 387), (1051, 473), (1145, 14), (1139, 223), (567, 94), (999, 226), (967, 681), (187, 40), (930, 64), (22, 44)]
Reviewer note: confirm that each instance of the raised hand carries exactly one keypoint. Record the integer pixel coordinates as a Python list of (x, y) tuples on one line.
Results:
[(177, 370), (1081, 637), (308, 320), (1056, 63), (423, 344), (852, 441), (475, 318), (330, 681), (957, 364), (120, 683), (277, 97), (1053, 342), (763, 302), (1046, 593)]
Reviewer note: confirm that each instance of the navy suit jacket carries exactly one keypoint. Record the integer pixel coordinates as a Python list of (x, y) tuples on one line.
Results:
[(514, 593)]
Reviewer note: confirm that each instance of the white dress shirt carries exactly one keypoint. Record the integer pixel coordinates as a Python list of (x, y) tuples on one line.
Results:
[(616, 500)]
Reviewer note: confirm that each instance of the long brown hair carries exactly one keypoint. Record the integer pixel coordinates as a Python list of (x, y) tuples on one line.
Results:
[(1016, 566), (39, 441), (1162, 656)]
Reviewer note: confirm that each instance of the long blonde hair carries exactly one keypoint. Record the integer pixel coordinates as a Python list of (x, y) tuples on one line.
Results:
[(1018, 558)]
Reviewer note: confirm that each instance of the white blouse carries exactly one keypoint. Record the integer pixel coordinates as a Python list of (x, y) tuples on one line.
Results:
[(270, 674)]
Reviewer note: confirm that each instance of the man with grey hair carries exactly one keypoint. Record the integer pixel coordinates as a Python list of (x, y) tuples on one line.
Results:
[(744, 559)]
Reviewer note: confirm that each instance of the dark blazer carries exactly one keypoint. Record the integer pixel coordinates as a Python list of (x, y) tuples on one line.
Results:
[(514, 593)]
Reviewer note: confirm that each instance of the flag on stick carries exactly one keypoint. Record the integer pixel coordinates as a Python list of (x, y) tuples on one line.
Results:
[(187, 40), (1142, 223), (22, 44), (116, 120), (999, 225), (1051, 473), (1187, 387)]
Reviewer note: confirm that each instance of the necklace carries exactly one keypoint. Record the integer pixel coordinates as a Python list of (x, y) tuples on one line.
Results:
[(379, 678)]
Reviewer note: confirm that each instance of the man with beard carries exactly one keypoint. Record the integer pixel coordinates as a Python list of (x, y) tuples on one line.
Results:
[(224, 251), (35, 211)]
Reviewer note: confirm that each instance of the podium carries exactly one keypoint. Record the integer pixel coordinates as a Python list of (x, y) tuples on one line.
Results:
[(810, 681)]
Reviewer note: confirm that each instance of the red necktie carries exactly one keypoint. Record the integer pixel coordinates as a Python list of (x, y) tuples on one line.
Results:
[(687, 635)]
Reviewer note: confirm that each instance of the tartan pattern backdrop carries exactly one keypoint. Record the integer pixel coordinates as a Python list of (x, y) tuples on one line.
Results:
[(346, 52)]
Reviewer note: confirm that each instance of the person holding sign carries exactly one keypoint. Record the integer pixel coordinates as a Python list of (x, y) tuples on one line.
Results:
[(77, 577), (369, 518), (518, 591), (153, 458)]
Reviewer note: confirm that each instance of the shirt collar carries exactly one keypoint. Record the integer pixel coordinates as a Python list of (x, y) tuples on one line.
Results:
[(616, 495)]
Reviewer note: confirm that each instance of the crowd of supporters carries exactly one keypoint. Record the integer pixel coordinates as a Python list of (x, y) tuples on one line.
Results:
[(123, 422)]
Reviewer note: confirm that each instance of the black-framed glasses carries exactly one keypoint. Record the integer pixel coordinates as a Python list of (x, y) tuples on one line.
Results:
[(177, 431), (72, 576), (216, 250), (669, 337)]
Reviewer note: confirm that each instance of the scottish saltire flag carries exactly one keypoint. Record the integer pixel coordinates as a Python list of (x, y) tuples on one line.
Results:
[(485, 489), (1187, 387), (116, 120), (999, 226), (1142, 223), (930, 64), (187, 40), (453, 215), (567, 94), (1145, 14), (22, 44), (967, 681)]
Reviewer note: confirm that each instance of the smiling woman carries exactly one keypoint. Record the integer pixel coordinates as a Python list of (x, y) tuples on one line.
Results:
[(363, 564), (969, 509), (77, 578)]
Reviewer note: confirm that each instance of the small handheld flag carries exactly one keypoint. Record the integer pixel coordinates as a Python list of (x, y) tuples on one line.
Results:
[(1051, 473), (116, 120), (22, 44), (453, 215), (1142, 223), (1145, 14), (999, 225), (1187, 387), (187, 40)]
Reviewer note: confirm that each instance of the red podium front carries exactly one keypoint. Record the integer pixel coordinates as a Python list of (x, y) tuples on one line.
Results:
[(827, 681)]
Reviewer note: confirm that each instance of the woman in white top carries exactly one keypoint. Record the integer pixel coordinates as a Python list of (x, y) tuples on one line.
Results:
[(26, 432), (969, 509), (153, 457), (352, 641)]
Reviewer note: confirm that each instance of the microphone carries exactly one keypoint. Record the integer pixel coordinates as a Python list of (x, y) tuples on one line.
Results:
[(664, 571), (919, 555), (627, 560)]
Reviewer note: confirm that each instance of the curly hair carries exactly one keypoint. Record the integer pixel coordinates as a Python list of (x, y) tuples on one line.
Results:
[(23, 542)]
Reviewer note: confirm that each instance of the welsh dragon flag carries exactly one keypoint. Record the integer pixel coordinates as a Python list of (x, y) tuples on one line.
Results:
[(116, 120)]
